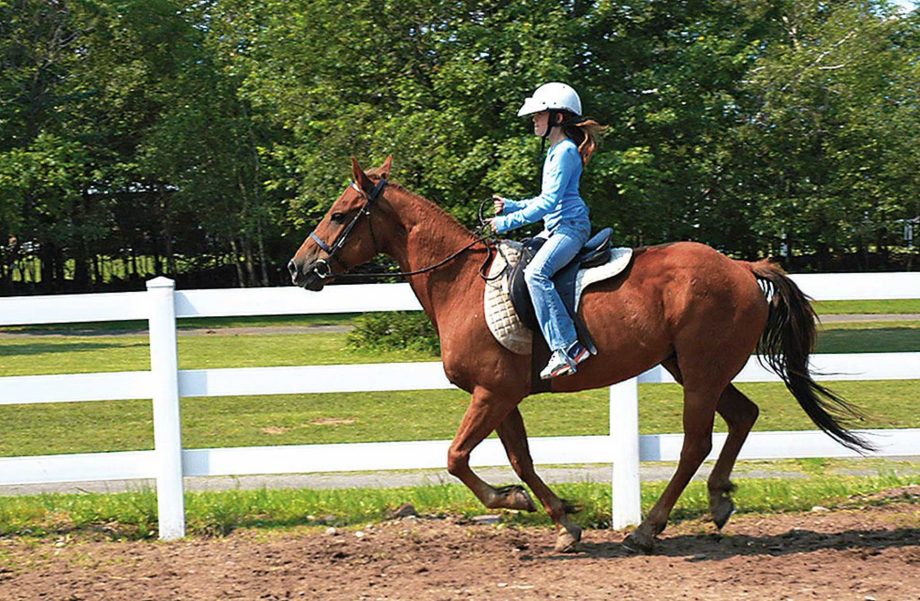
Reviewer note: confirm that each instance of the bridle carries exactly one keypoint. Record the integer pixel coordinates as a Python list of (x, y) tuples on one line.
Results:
[(321, 267), (323, 271)]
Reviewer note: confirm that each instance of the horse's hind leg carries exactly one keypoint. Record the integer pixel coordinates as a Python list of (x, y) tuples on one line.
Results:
[(514, 438), (699, 411), (740, 413)]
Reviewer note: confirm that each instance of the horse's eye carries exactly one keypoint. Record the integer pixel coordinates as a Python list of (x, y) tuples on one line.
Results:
[(338, 217)]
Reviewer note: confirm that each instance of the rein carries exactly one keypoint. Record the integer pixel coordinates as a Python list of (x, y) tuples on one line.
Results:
[(323, 271)]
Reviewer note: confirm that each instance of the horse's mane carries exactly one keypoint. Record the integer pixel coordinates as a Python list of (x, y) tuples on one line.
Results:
[(425, 204)]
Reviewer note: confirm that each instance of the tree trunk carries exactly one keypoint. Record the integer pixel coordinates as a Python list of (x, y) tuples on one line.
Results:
[(46, 257), (58, 265), (263, 260), (884, 253), (97, 270), (241, 280), (250, 264), (256, 179), (157, 260), (81, 277), (166, 208), (134, 268)]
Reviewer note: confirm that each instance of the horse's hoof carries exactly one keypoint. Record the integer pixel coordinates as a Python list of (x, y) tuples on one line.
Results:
[(567, 539), (516, 497), (722, 510), (638, 542)]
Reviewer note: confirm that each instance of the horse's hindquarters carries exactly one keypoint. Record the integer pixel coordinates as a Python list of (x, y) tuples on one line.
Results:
[(682, 299)]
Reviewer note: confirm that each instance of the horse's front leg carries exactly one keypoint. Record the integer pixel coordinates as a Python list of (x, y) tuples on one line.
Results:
[(485, 413), (514, 436)]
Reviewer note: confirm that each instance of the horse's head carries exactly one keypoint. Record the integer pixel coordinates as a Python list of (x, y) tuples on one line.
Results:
[(345, 237)]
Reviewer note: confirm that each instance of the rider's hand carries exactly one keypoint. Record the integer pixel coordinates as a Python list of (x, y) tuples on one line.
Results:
[(499, 203), (491, 223)]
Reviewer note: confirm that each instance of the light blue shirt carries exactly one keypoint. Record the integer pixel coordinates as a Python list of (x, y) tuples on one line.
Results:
[(559, 201)]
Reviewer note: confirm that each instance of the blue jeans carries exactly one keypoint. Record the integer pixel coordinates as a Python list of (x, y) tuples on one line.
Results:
[(558, 250)]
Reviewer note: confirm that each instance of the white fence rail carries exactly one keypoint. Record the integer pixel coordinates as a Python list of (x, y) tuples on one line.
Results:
[(165, 384)]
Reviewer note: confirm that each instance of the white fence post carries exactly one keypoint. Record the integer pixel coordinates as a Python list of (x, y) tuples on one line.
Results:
[(624, 435), (167, 429)]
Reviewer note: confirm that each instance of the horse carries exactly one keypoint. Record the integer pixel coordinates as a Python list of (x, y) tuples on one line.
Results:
[(683, 305)]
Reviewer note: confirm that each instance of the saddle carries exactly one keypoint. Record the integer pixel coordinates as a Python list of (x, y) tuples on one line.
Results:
[(595, 252), (509, 310)]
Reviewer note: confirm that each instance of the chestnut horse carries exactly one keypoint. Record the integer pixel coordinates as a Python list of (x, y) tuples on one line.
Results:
[(682, 305)]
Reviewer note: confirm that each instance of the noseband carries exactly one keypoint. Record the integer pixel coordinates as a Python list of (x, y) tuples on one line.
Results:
[(321, 267)]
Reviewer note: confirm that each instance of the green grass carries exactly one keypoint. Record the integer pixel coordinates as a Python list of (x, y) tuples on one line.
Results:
[(133, 515), (35, 355), (53, 428), (867, 306), (321, 418), (869, 337), (86, 354)]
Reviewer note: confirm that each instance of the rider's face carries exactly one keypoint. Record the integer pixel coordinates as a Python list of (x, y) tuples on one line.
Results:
[(540, 121)]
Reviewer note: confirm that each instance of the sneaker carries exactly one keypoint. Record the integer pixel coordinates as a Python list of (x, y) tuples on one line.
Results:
[(578, 353), (559, 365), (563, 364)]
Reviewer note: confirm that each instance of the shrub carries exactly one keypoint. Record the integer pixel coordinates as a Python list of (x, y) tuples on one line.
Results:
[(395, 331)]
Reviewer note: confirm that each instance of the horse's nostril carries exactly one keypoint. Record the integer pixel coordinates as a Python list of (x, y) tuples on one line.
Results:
[(291, 267)]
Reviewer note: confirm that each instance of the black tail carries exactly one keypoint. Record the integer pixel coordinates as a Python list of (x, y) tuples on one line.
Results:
[(785, 345)]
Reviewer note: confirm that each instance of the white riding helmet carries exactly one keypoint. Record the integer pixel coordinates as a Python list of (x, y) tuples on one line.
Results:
[(553, 95)]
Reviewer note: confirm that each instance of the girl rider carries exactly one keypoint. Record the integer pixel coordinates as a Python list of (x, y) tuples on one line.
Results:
[(556, 110)]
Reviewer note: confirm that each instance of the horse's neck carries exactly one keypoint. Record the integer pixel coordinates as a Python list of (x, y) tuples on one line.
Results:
[(427, 236)]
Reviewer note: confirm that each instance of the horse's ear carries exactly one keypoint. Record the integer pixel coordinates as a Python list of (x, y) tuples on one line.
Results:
[(360, 177), (384, 170)]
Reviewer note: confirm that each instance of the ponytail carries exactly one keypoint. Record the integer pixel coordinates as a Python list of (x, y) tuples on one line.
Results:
[(585, 133)]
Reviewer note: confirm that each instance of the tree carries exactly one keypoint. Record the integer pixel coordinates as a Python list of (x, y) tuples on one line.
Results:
[(834, 137), (207, 136)]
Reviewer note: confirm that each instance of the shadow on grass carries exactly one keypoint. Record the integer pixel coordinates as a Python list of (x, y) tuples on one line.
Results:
[(875, 340), (42, 348)]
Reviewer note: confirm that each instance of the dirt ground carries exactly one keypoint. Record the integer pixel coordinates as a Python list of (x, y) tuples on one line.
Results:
[(864, 553)]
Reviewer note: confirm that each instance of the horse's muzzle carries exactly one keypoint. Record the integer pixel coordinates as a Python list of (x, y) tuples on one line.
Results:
[(310, 277)]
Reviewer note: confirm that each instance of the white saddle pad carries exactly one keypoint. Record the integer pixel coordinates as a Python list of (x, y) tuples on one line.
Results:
[(501, 317)]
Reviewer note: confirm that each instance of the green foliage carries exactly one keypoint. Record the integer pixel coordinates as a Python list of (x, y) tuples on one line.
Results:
[(395, 332), (211, 135), (836, 126), (126, 138)]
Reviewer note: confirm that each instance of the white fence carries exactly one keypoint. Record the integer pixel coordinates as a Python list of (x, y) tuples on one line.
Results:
[(165, 384)]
